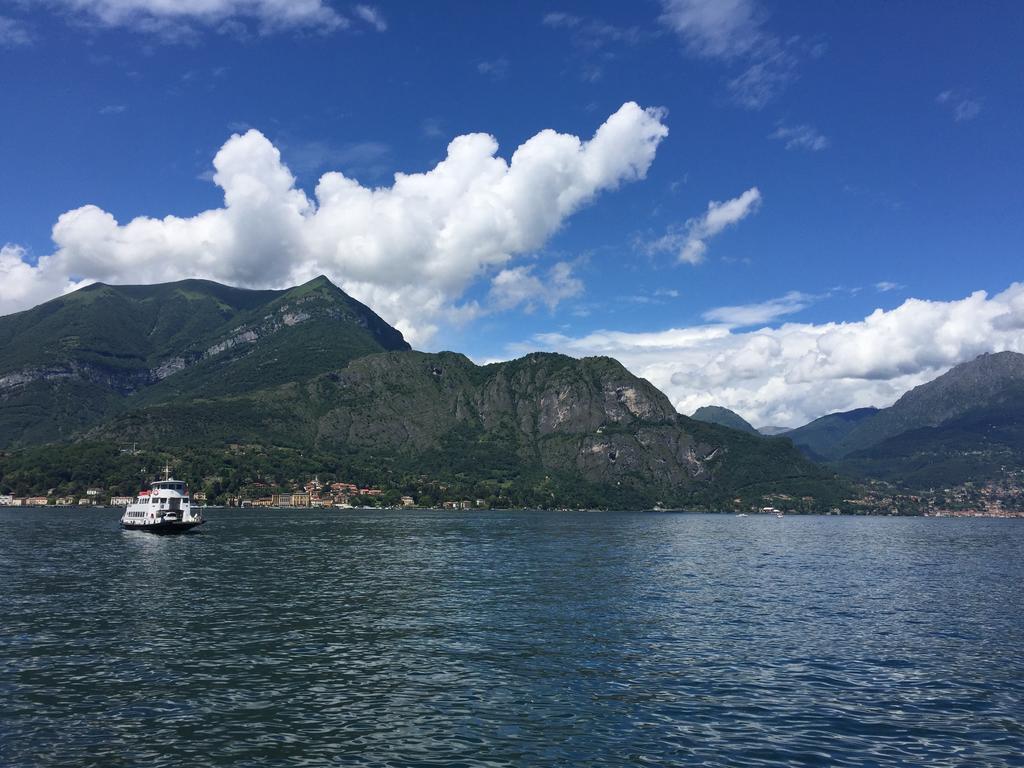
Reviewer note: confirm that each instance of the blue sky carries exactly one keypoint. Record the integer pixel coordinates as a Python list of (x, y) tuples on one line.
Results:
[(879, 146)]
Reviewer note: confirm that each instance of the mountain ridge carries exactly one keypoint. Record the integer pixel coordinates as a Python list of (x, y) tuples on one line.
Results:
[(966, 425), (102, 344), (304, 371)]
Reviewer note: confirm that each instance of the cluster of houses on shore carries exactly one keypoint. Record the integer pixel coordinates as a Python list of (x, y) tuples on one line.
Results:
[(94, 497), (339, 495), (316, 494)]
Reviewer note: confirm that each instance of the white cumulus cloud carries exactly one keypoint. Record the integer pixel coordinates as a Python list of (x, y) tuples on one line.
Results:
[(798, 371), (520, 286), (409, 250)]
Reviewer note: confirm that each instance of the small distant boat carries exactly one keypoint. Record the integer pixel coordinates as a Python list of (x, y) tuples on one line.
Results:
[(165, 508), (742, 514), (779, 514)]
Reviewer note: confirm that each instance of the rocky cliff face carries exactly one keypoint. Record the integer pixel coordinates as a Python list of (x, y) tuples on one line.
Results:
[(438, 415), (591, 415)]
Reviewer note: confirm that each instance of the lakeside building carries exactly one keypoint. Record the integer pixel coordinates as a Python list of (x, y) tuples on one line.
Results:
[(6, 499), (65, 501), (290, 500), (314, 493), (36, 501)]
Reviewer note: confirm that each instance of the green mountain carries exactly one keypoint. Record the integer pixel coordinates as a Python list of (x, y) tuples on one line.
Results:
[(965, 425), (82, 358), (258, 386), (981, 445), (588, 428), (716, 414)]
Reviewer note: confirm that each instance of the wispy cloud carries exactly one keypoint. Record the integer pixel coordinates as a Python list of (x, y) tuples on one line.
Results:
[(181, 21), (885, 286), (715, 28), (371, 16), (800, 137), (689, 242), (368, 159), (659, 296), (875, 197), (592, 33), (14, 33), (765, 79), (432, 127), (961, 106), (735, 33), (742, 315), (592, 40), (113, 109), (496, 69)]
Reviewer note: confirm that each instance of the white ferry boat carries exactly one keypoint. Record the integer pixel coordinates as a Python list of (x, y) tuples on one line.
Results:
[(165, 508)]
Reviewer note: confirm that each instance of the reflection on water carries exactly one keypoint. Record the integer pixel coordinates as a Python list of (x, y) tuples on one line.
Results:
[(431, 638)]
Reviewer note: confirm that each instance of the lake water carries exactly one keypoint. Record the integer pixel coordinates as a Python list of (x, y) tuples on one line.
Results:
[(510, 638)]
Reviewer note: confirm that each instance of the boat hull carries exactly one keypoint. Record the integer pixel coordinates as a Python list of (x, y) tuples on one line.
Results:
[(163, 527)]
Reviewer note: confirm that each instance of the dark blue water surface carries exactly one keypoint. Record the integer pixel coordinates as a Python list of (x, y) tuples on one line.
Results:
[(510, 638)]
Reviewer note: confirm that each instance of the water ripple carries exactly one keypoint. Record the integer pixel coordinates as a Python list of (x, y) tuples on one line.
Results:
[(313, 638)]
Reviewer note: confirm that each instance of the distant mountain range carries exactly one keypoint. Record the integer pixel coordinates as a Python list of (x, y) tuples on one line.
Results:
[(198, 370), (967, 424)]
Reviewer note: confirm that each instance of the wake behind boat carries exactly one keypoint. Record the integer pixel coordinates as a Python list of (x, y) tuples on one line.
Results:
[(165, 508)]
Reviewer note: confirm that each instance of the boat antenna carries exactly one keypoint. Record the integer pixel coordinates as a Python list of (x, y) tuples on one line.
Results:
[(167, 471)]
